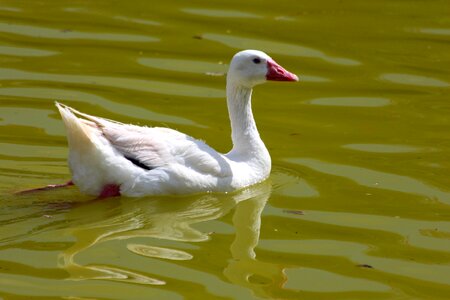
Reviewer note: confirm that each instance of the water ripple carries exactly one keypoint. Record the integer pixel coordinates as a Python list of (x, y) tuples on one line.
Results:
[(20, 51), (220, 13), (29, 286), (152, 86), (415, 80), (159, 252), (375, 179), (66, 95), (69, 34), (351, 101), (183, 65), (30, 117), (435, 31), (20, 150), (278, 47), (416, 232), (383, 148), (308, 279), (358, 254), (10, 9), (138, 21)]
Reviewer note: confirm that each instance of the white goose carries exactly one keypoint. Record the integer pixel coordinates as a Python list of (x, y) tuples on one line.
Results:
[(108, 158)]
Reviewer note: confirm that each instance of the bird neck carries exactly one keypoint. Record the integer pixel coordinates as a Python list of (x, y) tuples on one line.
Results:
[(245, 136)]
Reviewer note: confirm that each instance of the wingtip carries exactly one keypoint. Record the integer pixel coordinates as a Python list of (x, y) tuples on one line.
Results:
[(64, 108), (58, 105)]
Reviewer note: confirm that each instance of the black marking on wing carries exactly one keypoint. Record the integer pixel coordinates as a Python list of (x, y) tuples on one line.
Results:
[(139, 163)]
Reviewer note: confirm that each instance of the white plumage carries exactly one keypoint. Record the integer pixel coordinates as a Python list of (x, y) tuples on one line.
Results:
[(154, 161)]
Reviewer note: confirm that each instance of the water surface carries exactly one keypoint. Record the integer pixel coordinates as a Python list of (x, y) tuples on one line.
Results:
[(357, 206)]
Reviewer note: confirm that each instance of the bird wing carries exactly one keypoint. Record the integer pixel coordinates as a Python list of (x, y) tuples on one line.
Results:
[(155, 147)]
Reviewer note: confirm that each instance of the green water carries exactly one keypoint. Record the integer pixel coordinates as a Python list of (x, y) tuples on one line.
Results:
[(358, 203)]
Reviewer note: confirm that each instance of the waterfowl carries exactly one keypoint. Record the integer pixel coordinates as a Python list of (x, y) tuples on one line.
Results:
[(108, 158)]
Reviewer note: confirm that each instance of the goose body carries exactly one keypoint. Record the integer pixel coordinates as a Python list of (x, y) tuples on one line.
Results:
[(138, 161)]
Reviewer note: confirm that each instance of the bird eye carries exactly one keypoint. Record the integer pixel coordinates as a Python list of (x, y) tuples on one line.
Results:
[(256, 60)]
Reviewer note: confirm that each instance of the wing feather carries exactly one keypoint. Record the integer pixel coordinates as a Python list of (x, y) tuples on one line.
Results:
[(158, 147)]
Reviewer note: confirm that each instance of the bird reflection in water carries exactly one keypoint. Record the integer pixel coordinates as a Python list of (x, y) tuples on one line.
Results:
[(171, 220)]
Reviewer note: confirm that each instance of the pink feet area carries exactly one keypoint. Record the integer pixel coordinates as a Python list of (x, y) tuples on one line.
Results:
[(109, 190)]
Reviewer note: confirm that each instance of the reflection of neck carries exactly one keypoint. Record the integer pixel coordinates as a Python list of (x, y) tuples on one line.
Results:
[(245, 136), (247, 221)]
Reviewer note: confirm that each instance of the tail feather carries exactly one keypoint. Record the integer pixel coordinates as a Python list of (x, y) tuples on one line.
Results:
[(94, 162), (85, 152), (88, 119), (79, 133)]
